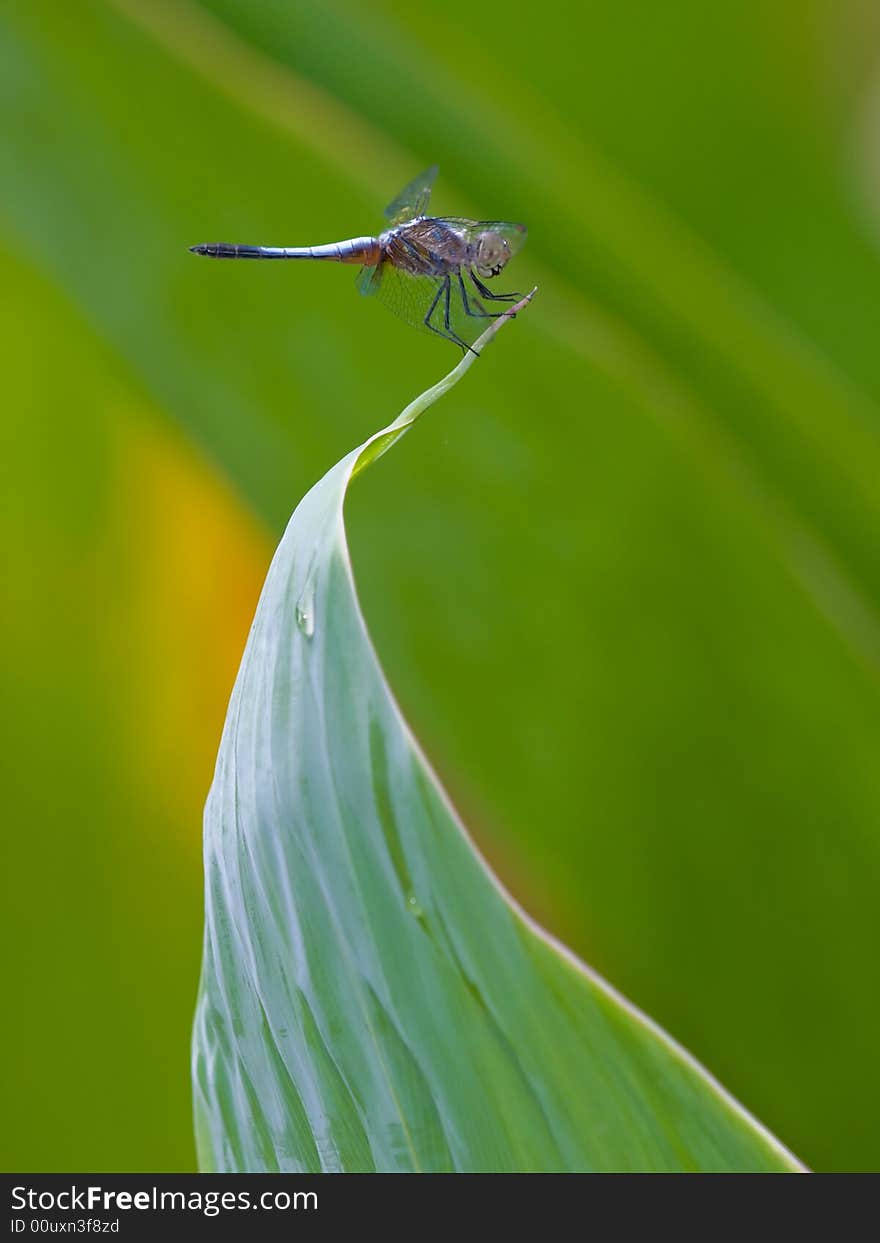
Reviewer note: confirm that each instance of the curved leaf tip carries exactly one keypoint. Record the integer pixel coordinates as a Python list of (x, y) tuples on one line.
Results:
[(371, 999), (381, 442)]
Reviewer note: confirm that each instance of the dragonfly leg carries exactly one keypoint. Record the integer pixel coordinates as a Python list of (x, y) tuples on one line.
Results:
[(447, 308), (479, 312), (429, 313), (487, 293), (446, 333)]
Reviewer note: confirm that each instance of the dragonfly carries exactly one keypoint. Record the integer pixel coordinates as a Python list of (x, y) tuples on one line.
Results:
[(431, 271)]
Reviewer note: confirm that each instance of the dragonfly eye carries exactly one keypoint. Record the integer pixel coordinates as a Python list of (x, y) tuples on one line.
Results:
[(493, 251)]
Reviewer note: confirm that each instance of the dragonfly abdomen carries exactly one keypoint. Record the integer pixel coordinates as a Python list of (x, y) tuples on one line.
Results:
[(362, 250)]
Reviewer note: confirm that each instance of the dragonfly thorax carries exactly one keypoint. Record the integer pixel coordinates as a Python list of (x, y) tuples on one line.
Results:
[(492, 252)]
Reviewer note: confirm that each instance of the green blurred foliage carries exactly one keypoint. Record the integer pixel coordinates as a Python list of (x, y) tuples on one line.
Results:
[(631, 605)]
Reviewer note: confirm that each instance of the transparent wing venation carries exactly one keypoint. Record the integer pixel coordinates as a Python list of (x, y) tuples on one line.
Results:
[(413, 199)]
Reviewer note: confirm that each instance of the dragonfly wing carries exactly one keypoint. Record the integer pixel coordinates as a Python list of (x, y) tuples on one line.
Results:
[(406, 296), (403, 250), (413, 298), (515, 234), (413, 199), (369, 280)]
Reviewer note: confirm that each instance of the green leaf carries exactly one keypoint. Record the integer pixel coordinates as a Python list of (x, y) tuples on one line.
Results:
[(682, 450), (371, 998)]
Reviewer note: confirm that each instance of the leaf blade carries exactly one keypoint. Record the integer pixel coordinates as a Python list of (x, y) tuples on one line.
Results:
[(371, 997)]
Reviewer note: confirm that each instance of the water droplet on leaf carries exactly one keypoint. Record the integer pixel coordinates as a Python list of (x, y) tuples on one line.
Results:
[(305, 613)]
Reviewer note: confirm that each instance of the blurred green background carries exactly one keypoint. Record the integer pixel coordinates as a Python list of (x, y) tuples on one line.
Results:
[(624, 581)]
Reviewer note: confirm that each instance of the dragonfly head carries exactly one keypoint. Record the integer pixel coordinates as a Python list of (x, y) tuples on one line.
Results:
[(493, 251)]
